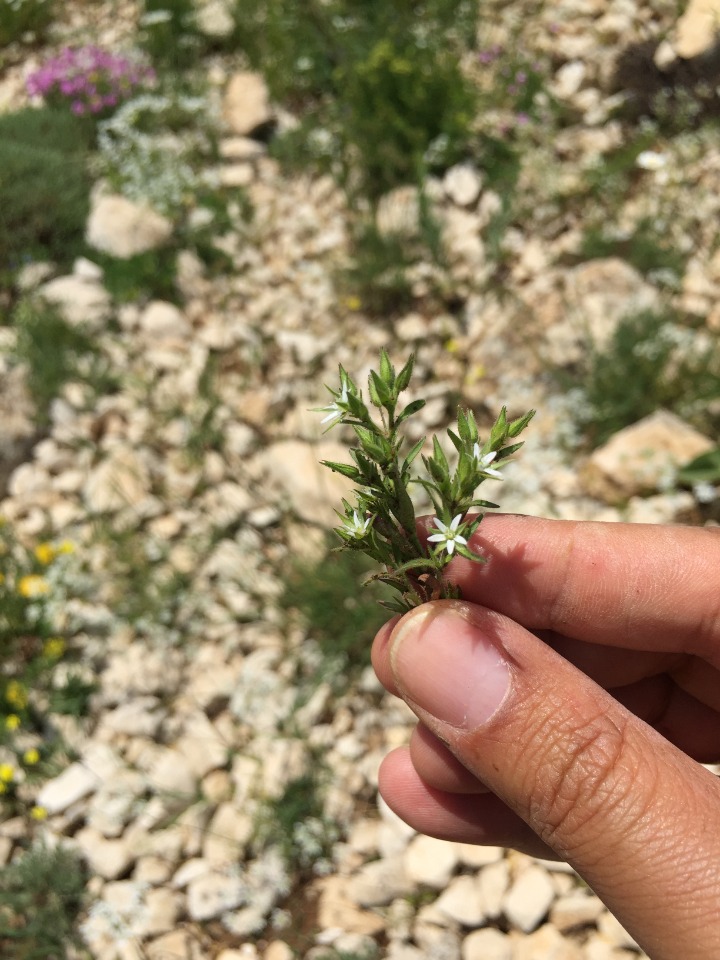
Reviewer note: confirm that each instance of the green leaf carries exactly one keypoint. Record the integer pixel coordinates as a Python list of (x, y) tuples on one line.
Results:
[(457, 442), (387, 373), (346, 469), (517, 426), (411, 456), (439, 457), (409, 410), (470, 555), (509, 451), (381, 389), (703, 469), (373, 393), (403, 378)]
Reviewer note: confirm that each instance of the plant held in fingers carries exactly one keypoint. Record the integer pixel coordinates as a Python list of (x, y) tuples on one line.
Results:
[(382, 523)]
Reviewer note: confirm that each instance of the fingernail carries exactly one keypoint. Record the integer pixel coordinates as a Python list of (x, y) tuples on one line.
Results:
[(447, 665)]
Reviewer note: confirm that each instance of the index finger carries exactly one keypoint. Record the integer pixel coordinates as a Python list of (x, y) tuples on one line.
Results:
[(638, 586)]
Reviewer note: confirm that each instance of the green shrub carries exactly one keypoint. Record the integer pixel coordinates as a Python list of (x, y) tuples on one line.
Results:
[(41, 896), (651, 362), (44, 186), (382, 81), (55, 352), (168, 33), (295, 821), (645, 249), (25, 18), (404, 110), (341, 617)]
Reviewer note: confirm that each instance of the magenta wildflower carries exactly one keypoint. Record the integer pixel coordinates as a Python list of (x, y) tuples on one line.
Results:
[(90, 78)]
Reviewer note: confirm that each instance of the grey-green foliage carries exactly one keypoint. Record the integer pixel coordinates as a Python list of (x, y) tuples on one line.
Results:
[(44, 186), (25, 20), (652, 361), (381, 82), (41, 896), (55, 352)]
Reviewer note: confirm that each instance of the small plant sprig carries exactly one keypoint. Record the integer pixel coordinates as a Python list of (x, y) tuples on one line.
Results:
[(382, 523)]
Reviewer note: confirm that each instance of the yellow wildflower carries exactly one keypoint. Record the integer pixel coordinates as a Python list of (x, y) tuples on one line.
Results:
[(45, 553), (65, 546), (31, 757), (38, 813), (3, 788), (452, 346), (12, 721), (16, 694), (32, 586), (7, 773), (54, 647), (353, 303)]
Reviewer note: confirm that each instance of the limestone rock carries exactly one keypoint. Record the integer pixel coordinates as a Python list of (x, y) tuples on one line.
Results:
[(17, 429), (575, 910), (696, 32), (81, 302), (398, 212), (74, 783), (109, 859), (379, 882), (246, 105), (212, 894), (529, 899), (463, 184), (161, 320), (430, 862), (487, 944), (123, 228), (338, 911), (462, 901), (547, 944), (214, 18), (227, 836), (122, 480), (309, 488), (642, 457)]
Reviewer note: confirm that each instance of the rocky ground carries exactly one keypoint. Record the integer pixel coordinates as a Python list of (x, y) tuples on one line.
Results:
[(195, 723)]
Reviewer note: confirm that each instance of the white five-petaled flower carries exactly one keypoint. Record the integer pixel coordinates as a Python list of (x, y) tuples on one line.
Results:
[(336, 409), (484, 461), (355, 526), (448, 533)]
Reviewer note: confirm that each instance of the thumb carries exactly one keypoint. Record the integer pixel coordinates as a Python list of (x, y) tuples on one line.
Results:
[(634, 816)]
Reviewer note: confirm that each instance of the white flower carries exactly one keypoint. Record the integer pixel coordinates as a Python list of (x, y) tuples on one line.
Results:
[(704, 492), (356, 527), (448, 534), (336, 409), (484, 462), (651, 160)]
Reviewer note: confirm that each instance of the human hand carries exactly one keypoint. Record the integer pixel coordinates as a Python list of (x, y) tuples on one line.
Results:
[(565, 706)]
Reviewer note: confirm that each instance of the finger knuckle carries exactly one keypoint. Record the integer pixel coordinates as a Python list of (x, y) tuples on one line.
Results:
[(584, 777)]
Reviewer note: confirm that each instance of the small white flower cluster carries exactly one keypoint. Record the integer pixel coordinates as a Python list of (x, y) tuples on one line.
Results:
[(116, 924), (159, 167)]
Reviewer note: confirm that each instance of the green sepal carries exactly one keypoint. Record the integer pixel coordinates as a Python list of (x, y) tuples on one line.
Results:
[(517, 426), (386, 370), (403, 378), (469, 554), (411, 456), (346, 469), (409, 410), (381, 390)]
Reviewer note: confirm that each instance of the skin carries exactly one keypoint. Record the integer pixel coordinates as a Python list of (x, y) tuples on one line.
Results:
[(609, 636)]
